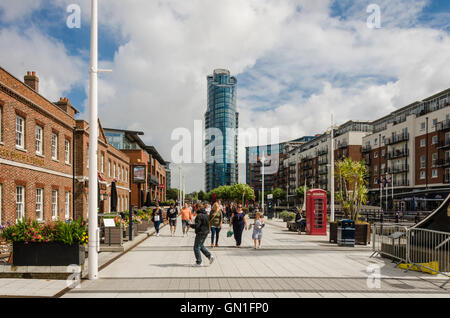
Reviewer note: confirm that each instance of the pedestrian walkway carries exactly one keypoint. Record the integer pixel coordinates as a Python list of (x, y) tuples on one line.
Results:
[(288, 265)]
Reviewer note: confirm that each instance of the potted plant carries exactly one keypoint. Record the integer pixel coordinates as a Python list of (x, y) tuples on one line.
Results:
[(53, 244), (352, 192), (144, 223)]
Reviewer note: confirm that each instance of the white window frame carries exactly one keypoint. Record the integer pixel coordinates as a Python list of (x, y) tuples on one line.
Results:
[(422, 142), (109, 168), (434, 174), (114, 170), (434, 140), (375, 154), (422, 175), (422, 162), (102, 163), (67, 206), (55, 146), (39, 135), (20, 132), (39, 204), (54, 205), (20, 203), (67, 151)]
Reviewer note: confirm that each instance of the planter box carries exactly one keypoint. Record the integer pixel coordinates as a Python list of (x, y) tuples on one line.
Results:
[(362, 233), (47, 254), (143, 227), (114, 235)]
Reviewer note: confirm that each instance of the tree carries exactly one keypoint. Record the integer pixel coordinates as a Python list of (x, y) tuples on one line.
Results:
[(279, 194), (172, 194), (352, 190), (241, 192), (201, 195), (300, 191)]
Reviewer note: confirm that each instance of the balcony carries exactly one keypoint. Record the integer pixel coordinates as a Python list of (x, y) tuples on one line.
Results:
[(322, 152), (366, 149), (447, 178), (397, 139), (307, 166), (323, 171), (342, 145), (442, 163), (443, 144), (397, 154), (399, 169), (401, 183), (444, 125), (323, 161)]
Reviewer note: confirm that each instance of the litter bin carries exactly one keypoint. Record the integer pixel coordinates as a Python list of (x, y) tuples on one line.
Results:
[(346, 233)]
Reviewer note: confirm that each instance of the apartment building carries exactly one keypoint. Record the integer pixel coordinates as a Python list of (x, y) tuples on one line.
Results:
[(409, 153), (36, 152)]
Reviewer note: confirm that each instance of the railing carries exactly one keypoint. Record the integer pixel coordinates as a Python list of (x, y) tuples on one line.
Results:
[(399, 169), (442, 162), (447, 178), (343, 144), (397, 154), (430, 250), (323, 171), (443, 144), (444, 125), (401, 183), (421, 248), (323, 161), (390, 240), (397, 139), (366, 149), (322, 152)]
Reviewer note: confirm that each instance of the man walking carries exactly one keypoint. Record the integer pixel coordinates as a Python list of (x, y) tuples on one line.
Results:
[(172, 214), (201, 227)]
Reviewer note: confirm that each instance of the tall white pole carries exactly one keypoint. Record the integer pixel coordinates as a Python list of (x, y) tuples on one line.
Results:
[(263, 160), (184, 188), (93, 145), (332, 170)]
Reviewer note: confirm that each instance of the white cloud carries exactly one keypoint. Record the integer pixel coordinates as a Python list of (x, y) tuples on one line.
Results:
[(13, 10), (30, 50)]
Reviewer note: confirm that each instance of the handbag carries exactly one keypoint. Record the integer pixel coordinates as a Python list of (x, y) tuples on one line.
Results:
[(230, 233), (157, 218)]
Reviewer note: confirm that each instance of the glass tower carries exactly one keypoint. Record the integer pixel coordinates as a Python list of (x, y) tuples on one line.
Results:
[(221, 150)]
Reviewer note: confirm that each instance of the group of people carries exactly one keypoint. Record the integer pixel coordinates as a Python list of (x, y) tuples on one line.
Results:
[(210, 219)]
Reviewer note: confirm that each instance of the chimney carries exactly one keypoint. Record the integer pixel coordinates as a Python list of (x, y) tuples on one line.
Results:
[(32, 81), (65, 105)]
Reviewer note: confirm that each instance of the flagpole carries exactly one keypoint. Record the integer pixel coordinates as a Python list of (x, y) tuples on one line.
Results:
[(93, 146)]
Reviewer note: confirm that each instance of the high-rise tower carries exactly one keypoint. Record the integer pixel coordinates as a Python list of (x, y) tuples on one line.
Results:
[(222, 160)]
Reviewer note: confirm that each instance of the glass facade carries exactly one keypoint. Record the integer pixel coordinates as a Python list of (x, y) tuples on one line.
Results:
[(221, 161)]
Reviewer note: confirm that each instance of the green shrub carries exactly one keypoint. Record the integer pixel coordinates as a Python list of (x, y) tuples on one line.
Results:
[(287, 216)]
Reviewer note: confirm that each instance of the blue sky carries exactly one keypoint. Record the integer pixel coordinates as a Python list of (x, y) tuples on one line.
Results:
[(296, 60)]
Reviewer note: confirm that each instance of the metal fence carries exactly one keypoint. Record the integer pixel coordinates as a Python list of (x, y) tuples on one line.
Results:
[(426, 250), (390, 240), (429, 250)]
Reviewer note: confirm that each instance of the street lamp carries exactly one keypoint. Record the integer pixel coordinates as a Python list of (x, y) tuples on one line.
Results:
[(94, 235), (93, 141), (331, 165)]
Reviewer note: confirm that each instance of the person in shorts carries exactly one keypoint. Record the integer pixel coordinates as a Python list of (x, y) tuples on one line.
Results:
[(186, 218), (172, 214)]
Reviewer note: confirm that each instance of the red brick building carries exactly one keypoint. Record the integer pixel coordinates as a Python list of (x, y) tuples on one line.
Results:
[(113, 165), (36, 152)]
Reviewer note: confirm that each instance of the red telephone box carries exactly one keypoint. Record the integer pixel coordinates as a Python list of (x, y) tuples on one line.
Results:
[(316, 212)]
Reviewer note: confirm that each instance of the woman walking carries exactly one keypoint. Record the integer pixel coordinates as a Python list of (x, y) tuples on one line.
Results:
[(157, 218), (186, 218), (215, 221), (239, 223), (172, 214), (257, 228)]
